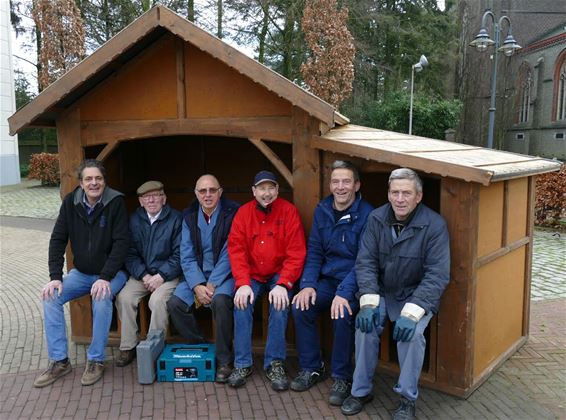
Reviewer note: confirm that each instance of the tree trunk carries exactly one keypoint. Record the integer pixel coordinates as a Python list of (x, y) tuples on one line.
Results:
[(219, 12)]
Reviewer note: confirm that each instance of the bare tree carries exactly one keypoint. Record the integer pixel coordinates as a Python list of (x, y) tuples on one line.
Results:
[(329, 71), (61, 34)]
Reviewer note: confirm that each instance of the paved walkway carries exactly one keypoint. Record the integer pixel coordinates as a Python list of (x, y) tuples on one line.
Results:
[(531, 384)]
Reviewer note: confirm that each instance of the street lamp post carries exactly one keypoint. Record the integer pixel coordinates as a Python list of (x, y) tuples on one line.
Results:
[(423, 62), (482, 42)]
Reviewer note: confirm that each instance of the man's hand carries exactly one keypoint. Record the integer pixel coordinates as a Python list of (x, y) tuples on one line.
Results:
[(203, 294), (304, 298), (146, 280), (404, 329), (243, 294), (100, 289), (48, 291), (154, 282), (367, 318), (338, 306), (279, 298)]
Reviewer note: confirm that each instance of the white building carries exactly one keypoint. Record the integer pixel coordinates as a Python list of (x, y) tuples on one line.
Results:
[(9, 158)]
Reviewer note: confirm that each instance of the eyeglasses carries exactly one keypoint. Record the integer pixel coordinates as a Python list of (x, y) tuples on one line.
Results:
[(149, 197), (204, 191)]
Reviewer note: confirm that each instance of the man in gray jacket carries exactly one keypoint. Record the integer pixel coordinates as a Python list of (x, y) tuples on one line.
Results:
[(402, 269)]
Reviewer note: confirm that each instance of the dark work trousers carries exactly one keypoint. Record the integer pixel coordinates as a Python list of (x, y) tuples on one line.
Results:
[(183, 318), (308, 341)]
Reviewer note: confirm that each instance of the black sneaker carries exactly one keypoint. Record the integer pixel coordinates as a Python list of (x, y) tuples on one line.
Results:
[(307, 379), (353, 405), (405, 410), (276, 374), (239, 375), (339, 392)]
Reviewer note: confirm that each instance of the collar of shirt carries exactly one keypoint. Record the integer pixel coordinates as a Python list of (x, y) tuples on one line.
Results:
[(90, 209), (153, 218), (265, 210), (207, 217)]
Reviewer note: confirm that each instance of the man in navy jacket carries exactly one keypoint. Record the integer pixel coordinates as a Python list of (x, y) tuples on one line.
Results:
[(329, 281), (154, 265), (402, 269), (208, 277)]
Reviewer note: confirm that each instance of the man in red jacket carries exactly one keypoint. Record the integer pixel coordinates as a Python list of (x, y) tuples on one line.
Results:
[(266, 246)]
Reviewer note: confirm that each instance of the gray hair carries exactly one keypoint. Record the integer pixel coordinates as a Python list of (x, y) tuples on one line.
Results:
[(406, 173), (91, 163), (346, 164)]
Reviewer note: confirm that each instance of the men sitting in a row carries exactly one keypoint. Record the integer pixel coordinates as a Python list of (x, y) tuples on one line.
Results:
[(401, 269)]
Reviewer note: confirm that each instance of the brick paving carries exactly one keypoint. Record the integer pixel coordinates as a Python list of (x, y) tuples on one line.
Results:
[(531, 384)]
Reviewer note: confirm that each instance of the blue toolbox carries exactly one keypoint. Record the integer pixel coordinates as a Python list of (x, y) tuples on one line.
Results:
[(187, 363)]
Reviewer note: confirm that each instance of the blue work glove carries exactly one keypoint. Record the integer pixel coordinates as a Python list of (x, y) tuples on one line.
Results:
[(404, 329), (367, 318)]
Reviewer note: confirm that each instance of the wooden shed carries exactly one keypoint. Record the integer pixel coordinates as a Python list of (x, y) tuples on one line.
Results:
[(165, 100)]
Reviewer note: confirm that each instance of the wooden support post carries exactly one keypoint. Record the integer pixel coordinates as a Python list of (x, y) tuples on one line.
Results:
[(71, 153), (459, 207), (306, 166)]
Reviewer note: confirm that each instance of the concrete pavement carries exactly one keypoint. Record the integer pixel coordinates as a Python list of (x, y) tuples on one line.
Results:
[(531, 384)]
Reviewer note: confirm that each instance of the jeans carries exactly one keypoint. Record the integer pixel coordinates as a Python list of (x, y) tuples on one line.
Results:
[(308, 341), (75, 285), (410, 353), (276, 347)]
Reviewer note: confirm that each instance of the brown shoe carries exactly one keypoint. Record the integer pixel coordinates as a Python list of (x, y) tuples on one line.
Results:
[(54, 371), (223, 373), (93, 372), (126, 357)]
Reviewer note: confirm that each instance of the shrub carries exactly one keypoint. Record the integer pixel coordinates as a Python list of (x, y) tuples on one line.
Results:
[(24, 170), (45, 167), (550, 198)]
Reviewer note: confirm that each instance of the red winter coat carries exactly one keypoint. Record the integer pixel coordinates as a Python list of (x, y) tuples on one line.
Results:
[(262, 244)]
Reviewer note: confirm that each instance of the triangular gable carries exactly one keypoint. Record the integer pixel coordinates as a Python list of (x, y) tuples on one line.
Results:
[(45, 108)]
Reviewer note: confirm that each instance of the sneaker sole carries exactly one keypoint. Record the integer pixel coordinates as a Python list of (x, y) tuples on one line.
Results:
[(52, 380)]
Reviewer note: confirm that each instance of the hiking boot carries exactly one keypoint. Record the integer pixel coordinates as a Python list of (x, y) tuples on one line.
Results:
[(306, 379), (238, 376), (405, 410), (276, 374), (223, 373), (353, 405), (54, 371), (93, 372), (339, 392), (125, 357)]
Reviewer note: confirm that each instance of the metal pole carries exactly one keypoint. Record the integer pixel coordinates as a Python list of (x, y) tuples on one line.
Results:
[(491, 126), (411, 106)]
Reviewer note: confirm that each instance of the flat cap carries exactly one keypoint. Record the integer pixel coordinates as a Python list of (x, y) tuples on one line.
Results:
[(263, 176), (149, 186)]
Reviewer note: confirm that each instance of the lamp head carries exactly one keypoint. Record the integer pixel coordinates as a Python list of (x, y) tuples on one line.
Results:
[(423, 62), (509, 46), (482, 41)]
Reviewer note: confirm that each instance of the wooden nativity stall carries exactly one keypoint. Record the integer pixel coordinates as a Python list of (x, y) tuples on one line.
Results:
[(165, 100)]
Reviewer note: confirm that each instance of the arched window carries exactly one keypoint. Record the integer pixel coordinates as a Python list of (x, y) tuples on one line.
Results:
[(525, 99), (559, 97), (561, 104)]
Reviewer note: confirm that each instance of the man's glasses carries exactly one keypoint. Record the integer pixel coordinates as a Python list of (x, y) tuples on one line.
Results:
[(204, 191), (149, 197)]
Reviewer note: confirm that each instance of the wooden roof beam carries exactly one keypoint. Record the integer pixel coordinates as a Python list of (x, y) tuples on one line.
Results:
[(274, 159)]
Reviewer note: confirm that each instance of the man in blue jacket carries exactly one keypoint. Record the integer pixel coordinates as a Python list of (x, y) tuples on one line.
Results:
[(329, 281), (154, 265), (402, 269), (94, 219), (208, 277)]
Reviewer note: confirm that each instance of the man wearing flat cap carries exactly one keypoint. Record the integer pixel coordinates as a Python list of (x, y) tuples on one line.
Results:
[(153, 262), (267, 251)]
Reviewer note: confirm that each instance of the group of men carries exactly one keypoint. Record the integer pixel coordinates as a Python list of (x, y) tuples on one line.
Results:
[(364, 265)]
